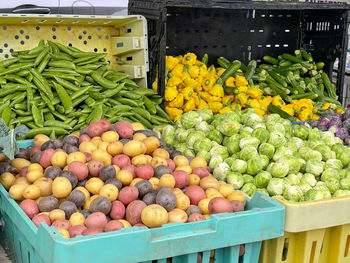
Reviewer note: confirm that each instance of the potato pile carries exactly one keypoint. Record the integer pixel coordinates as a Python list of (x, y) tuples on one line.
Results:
[(112, 176)]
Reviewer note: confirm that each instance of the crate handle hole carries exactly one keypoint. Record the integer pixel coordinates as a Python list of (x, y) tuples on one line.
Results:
[(128, 58), (59, 21), (285, 45), (75, 22), (42, 21), (261, 30), (95, 49), (126, 31), (24, 21), (285, 249), (287, 30), (91, 22), (120, 44), (268, 45), (347, 247), (107, 22)]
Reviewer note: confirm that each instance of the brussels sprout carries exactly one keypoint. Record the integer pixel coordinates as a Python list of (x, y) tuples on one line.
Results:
[(264, 161), (228, 127), (294, 164), (181, 147), (326, 194), (239, 166), (247, 178), (262, 190), (288, 127), (304, 150), (324, 150), (314, 167), (249, 141), (235, 179), (272, 118), (247, 153), (300, 132), (322, 187), (251, 119), (291, 144), (314, 143), (293, 193), (294, 179), (214, 161), (193, 137), (231, 115), (206, 155), (220, 171), (333, 163), (262, 179), (203, 144), (304, 187), (267, 149), (342, 174), (190, 119), (261, 134), (229, 160), (313, 155), (189, 152), (249, 189), (330, 173), (299, 142), (232, 144), (314, 134), (275, 186), (345, 183), (282, 151), (215, 135), (254, 165), (204, 127), (313, 194), (181, 134), (344, 158), (286, 182), (279, 169), (277, 139), (332, 185), (341, 193), (168, 134), (278, 127), (206, 114), (328, 138), (219, 150), (338, 148), (260, 125), (308, 179)]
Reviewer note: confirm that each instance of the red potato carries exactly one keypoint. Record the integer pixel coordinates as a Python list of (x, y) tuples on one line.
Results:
[(144, 171), (76, 230), (96, 220), (122, 160), (201, 172), (23, 172), (88, 156), (124, 129), (62, 223), (35, 149), (128, 194), (37, 219), (208, 169), (195, 193), (79, 169), (118, 210), (181, 178), (140, 225), (220, 205), (94, 167), (171, 164), (106, 125), (237, 206), (113, 225), (30, 207), (95, 129), (133, 212), (84, 138), (45, 159), (91, 231), (196, 217), (131, 168)]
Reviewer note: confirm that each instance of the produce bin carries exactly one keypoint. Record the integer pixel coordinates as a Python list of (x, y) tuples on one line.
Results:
[(123, 38), (243, 31), (315, 232), (262, 220)]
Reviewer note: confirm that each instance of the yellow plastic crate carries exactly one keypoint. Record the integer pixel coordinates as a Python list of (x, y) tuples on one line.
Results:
[(123, 38), (315, 232)]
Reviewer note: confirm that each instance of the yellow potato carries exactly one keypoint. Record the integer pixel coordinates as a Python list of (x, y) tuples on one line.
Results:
[(84, 191), (203, 205), (96, 140), (160, 153), (156, 161), (21, 180), (110, 191), (139, 159), (181, 160), (154, 216), (125, 177), (88, 147), (110, 136), (139, 137), (35, 167), (40, 139), (19, 163), (61, 187), (102, 155), (7, 180), (135, 181), (152, 143), (125, 223), (59, 159), (115, 148), (134, 148), (31, 192), (209, 182), (237, 196), (177, 191), (198, 161), (32, 176), (76, 156), (94, 185), (63, 232), (185, 168), (57, 214), (103, 146), (226, 189), (167, 180), (16, 191), (177, 216), (45, 185), (136, 126), (182, 202), (88, 201), (77, 219), (155, 182), (194, 179)]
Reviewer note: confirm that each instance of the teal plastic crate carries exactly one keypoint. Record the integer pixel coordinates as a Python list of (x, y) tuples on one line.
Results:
[(262, 220)]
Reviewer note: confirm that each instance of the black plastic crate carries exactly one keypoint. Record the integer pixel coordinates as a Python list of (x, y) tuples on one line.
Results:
[(244, 31)]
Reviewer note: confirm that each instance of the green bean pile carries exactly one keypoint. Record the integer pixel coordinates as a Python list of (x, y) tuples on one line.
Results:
[(56, 89)]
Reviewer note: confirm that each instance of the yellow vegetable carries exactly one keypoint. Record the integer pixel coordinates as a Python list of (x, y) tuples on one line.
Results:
[(288, 108), (339, 111), (326, 105), (194, 71), (204, 95), (217, 91), (254, 103), (195, 98), (208, 82), (227, 99), (190, 105), (173, 81), (215, 106), (155, 85), (203, 70), (241, 81), (315, 116), (277, 101), (219, 71), (304, 115), (260, 112), (171, 62), (202, 104), (187, 92), (174, 113), (170, 93), (242, 89), (178, 70), (255, 93), (230, 82), (191, 83), (189, 59), (214, 98), (177, 102), (225, 109), (241, 99)]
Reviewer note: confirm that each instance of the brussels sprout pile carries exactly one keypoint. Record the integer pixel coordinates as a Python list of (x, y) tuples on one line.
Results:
[(269, 155)]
